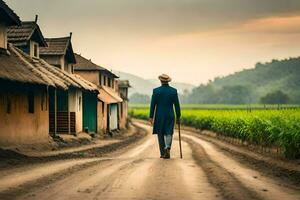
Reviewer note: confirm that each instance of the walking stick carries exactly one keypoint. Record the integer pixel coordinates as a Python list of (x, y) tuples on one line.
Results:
[(179, 135)]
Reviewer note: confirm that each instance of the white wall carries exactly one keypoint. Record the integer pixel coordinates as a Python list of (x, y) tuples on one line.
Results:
[(75, 105), (113, 117)]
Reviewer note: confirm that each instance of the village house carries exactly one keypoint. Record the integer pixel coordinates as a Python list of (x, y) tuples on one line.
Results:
[(73, 105), (108, 118), (23, 91), (64, 112), (123, 86), (27, 37)]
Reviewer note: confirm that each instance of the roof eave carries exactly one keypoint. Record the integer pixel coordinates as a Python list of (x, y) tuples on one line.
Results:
[(85, 69), (109, 72), (14, 18)]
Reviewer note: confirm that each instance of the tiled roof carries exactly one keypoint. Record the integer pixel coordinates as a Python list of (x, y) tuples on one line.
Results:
[(56, 46), (20, 35), (9, 16), (83, 64), (59, 47)]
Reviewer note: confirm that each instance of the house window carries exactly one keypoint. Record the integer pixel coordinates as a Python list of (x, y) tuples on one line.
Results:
[(113, 83), (79, 103), (42, 101), (102, 108), (109, 82), (35, 50), (104, 80), (30, 98), (100, 79)]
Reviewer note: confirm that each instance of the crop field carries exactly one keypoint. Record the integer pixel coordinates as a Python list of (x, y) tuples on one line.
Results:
[(270, 128), (228, 107)]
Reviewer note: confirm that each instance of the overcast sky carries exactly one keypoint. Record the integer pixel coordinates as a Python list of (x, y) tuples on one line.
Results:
[(192, 40)]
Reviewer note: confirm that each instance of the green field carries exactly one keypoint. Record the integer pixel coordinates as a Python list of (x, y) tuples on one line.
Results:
[(265, 128), (228, 106)]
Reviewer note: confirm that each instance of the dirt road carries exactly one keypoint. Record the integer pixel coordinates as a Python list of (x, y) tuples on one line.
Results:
[(138, 173)]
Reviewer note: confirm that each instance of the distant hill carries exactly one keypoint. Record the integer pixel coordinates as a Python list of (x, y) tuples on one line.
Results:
[(145, 86), (264, 81), (178, 85), (251, 85)]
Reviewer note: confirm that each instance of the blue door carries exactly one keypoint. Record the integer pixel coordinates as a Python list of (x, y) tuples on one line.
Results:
[(89, 111)]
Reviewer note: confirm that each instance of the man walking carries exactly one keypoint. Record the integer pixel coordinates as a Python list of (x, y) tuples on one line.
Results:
[(164, 99)]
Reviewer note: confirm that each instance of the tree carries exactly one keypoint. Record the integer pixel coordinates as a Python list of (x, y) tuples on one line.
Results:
[(139, 98), (203, 94), (184, 97), (276, 97), (236, 94)]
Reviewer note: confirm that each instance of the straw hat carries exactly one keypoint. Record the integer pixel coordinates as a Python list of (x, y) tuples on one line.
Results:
[(164, 78)]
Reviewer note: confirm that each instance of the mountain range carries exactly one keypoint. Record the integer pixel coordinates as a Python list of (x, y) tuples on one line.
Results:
[(277, 77), (146, 86), (246, 86)]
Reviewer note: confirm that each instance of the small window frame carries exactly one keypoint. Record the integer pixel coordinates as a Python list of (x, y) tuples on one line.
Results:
[(30, 100)]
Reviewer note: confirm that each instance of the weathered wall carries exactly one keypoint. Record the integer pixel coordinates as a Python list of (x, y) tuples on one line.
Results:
[(66, 66), (75, 105), (123, 115), (32, 43), (19, 126), (3, 36), (102, 117), (90, 76)]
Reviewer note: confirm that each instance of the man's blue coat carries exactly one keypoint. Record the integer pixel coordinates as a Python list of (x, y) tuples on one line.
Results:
[(164, 99)]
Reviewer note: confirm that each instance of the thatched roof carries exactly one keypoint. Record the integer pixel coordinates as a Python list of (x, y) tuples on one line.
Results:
[(84, 64), (20, 35), (70, 80), (59, 47), (20, 67), (8, 16), (15, 67)]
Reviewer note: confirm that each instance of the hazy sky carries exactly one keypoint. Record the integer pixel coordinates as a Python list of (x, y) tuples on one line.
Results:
[(192, 40)]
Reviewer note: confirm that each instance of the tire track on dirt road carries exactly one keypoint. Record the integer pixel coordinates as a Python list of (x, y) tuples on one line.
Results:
[(250, 181), (246, 179), (229, 186), (135, 174), (95, 181)]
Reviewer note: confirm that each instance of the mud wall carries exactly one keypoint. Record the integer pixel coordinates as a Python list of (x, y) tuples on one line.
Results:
[(17, 125)]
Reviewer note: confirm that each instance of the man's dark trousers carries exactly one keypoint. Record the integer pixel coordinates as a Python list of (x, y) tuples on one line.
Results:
[(164, 141)]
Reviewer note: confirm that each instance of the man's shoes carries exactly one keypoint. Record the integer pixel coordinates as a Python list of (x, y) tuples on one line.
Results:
[(167, 153)]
